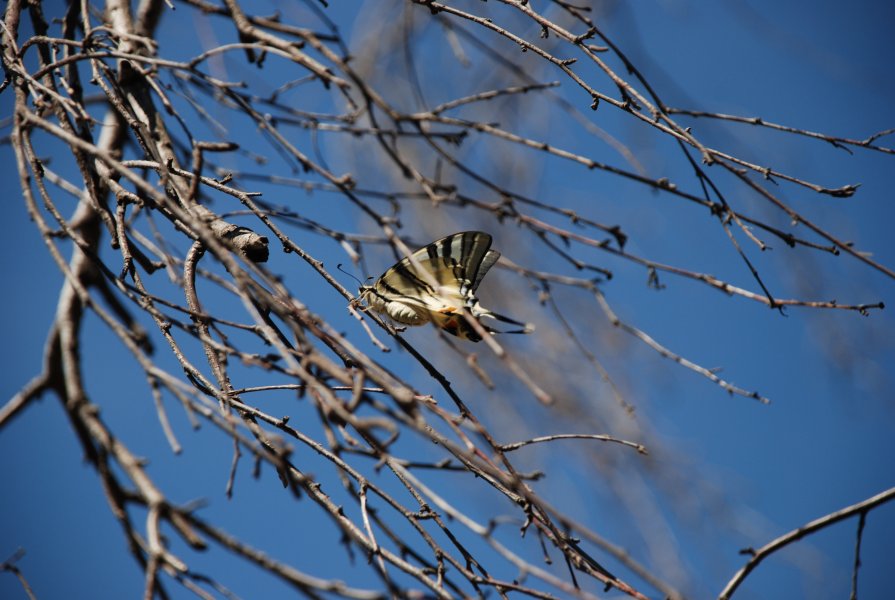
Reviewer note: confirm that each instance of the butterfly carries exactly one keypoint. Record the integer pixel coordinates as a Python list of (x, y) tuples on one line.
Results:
[(456, 264)]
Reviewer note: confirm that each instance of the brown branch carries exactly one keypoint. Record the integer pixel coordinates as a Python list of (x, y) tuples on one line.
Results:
[(861, 508), (574, 436)]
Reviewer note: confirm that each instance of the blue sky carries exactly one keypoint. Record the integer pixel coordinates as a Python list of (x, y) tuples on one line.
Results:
[(728, 472)]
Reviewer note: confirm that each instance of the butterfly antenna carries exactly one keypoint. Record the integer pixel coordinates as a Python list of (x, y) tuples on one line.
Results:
[(359, 282)]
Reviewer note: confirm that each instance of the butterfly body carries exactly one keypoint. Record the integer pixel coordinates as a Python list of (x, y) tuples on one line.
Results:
[(436, 284)]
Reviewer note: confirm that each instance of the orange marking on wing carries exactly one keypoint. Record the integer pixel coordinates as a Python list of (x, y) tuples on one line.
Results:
[(451, 326)]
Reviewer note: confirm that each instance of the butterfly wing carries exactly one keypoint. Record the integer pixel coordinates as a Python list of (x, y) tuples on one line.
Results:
[(455, 264), (488, 261), (436, 283)]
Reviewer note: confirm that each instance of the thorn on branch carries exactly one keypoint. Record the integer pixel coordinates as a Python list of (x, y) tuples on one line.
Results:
[(652, 279), (527, 523), (585, 36), (836, 144), (490, 527)]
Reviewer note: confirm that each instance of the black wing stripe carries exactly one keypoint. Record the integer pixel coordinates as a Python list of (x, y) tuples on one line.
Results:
[(405, 272), (475, 248), (467, 246), (432, 250), (455, 253), (466, 256), (485, 265)]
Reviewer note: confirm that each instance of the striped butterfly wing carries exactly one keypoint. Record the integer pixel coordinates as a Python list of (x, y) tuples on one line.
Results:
[(456, 265), (437, 284)]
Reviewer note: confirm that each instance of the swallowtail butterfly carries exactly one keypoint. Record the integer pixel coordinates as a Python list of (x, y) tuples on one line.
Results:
[(457, 264)]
